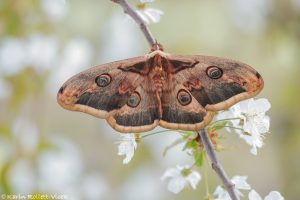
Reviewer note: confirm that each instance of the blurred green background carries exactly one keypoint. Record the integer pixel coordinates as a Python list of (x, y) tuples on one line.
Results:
[(45, 149)]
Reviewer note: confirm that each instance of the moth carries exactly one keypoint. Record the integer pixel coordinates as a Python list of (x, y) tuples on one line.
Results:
[(160, 89)]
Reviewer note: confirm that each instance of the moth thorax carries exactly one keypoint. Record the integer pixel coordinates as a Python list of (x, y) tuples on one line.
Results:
[(158, 78)]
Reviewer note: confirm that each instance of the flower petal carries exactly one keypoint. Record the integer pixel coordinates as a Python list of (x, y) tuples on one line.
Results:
[(147, 1), (169, 173), (262, 123), (253, 150), (253, 195), (153, 14), (144, 18), (240, 182), (176, 185), (245, 105), (179, 177), (260, 105), (274, 195), (221, 194), (127, 147), (193, 178)]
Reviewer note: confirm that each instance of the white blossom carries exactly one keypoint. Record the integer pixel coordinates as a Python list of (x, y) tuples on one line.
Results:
[(147, 1), (221, 194), (274, 195), (55, 9), (37, 43), (127, 147), (255, 140), (150, 15), (251, 123), (180, 177), (16, 54), (75, 56), (239, 182), (12, 56), (231, 113), (256, 122), (59, 167), (253, 113), (94, 186), (26, 134)]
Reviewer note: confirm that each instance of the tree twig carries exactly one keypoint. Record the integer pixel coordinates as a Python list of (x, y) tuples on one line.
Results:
[(216, 165), (132, 13)]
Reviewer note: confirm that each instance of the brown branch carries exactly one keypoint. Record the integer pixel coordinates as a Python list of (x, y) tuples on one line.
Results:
[(216, 165), (132, 13)]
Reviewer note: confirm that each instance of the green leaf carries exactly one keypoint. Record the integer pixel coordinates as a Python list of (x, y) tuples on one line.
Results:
[(193, 144), (199, 158), (189, 134), (219, 126)]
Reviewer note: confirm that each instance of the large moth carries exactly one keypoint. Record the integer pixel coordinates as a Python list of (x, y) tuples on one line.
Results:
[(160, 89)]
